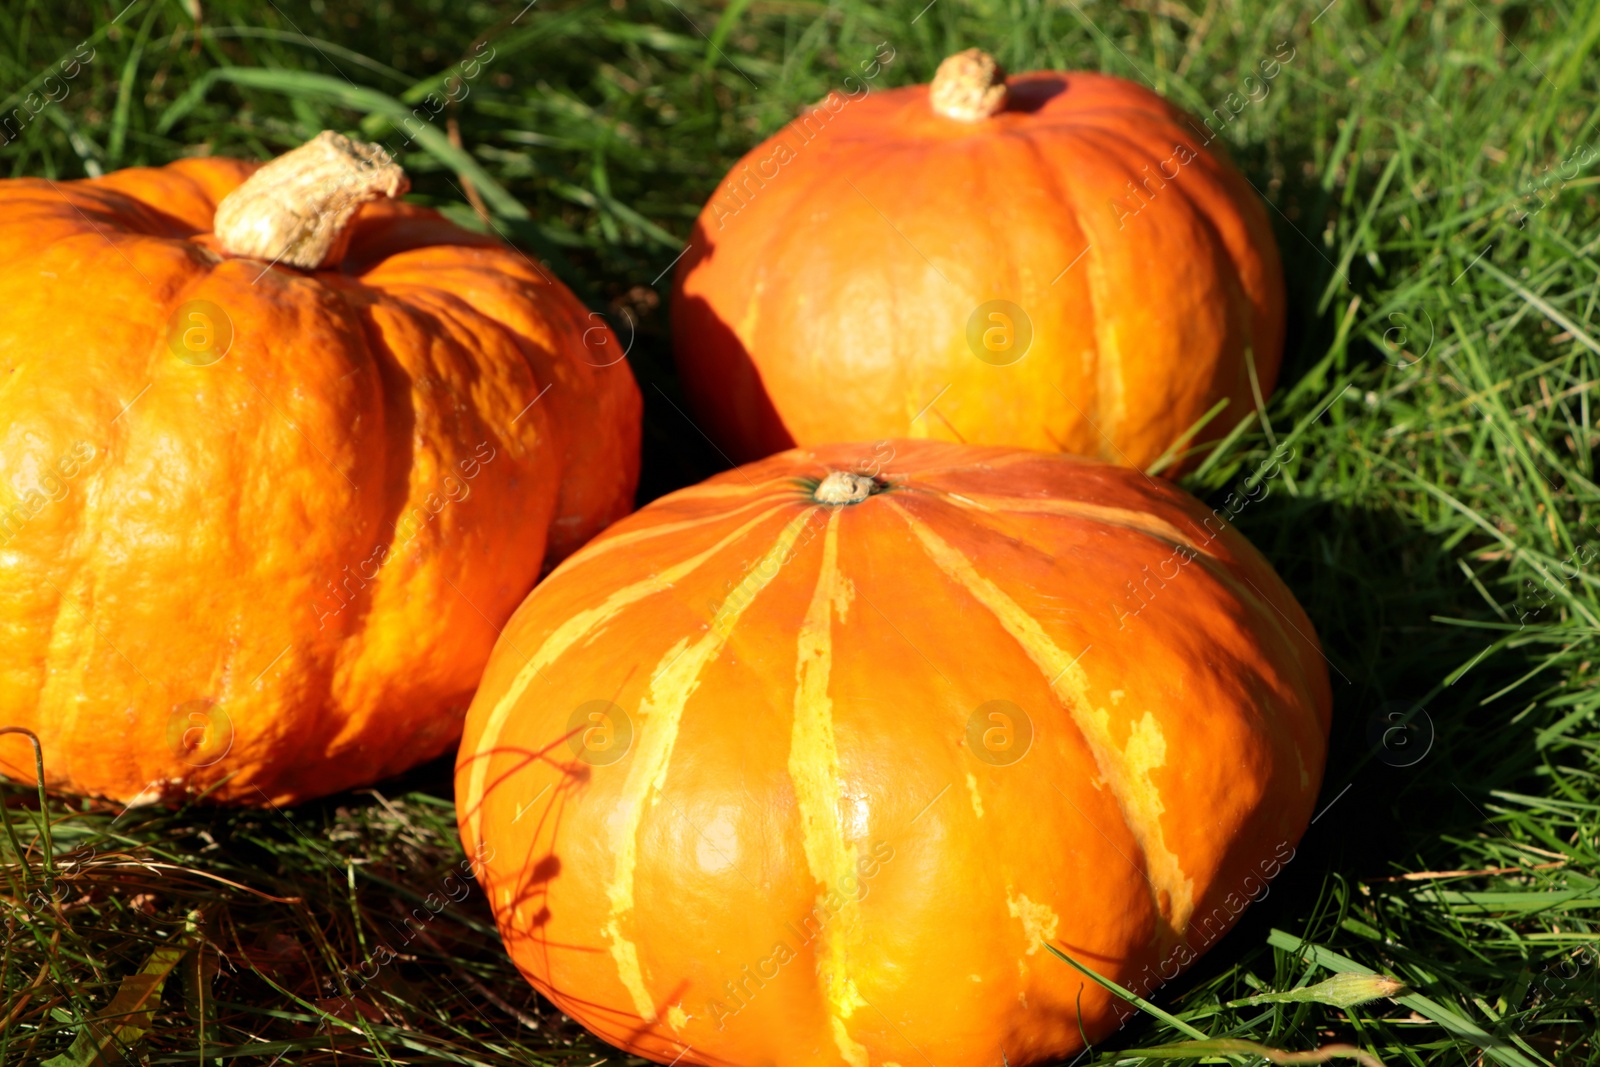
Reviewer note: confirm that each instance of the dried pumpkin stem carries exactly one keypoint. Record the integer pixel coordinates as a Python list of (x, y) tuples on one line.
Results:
[(969, 86), (842, 487), (297, 209)]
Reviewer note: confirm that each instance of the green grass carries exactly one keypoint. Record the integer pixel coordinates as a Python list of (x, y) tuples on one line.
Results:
[(1438, 517)]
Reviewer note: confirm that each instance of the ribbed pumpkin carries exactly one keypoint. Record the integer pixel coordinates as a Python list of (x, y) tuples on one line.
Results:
[(267, 493), (1053, 262), (806, 764)]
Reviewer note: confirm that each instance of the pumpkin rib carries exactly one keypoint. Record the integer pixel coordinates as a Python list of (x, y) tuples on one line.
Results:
[(1100, 299), (996, 458), (444, 308), (1254, 247), (578, 400), (391, 373), (1295, 644), (910, 192), (1069, 203), (1243, 294), (1255, 599), (1156, 528), (938, 162), (1242, 309), (716, 490), (158, 194), (1139, 801), (81, 665), (814, 770), (922, 381), (568, 636), (670, 688), (59, 203), (1219, 568), (1236, 568), (1108, 402), (629, 538), (1226, 261), (1171, 536), (377, 357), (1291, 641), (87, 572)]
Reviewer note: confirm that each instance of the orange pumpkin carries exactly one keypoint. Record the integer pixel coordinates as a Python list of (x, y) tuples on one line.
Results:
[(267, 493), (807, 763), (1053, 262)]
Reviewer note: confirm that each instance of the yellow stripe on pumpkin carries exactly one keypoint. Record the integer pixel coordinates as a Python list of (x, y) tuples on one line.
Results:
[(671, 684), (605, 545), (814, 768), (1143, 522), (1241, 588), (1126, 770), (564, 637)]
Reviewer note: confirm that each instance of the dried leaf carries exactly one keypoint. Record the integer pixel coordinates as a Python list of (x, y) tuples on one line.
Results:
[(1186, 1050), (127, 1018), (1344, 990)]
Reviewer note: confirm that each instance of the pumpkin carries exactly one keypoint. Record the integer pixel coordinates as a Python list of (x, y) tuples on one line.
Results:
[(809, 763), (278, 456), (1055, 261)]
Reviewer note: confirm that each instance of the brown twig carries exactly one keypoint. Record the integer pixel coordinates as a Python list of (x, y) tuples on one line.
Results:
[(27, 993), (154, 866), (1234, 1046), (1420, 876), (454, 130)]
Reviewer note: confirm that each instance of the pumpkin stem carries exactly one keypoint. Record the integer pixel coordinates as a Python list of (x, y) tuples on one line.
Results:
[(297, 208), (842, 487), (969, 86)]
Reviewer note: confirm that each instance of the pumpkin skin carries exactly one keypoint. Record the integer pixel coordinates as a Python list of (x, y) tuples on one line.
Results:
[(275, 574), (837, 285), (793, 837)]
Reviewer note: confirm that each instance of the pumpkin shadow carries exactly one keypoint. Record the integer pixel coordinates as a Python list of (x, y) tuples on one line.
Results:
[(676, 450), (727, 405), (1028, 95)]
